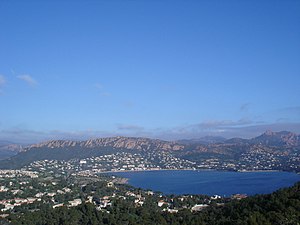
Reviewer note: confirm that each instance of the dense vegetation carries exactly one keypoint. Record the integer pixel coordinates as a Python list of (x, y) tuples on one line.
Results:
[(281, 207)]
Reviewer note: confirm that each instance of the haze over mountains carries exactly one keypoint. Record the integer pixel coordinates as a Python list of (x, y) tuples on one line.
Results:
[(8, 149)]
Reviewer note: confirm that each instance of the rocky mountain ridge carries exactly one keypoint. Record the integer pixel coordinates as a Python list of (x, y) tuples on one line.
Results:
[(282, 138), (115, 142), (271, 150), (269, 138)]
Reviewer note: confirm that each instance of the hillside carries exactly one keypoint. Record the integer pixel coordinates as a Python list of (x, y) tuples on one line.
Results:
[(9, 149), (114, 142), (269, 151), (279, 139), (278, 208)]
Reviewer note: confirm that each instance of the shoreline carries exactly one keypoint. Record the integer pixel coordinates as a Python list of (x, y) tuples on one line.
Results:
[(198, 170), (152, 170), (118, 175)]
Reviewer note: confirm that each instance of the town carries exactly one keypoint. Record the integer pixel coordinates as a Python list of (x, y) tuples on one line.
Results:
[(54, 184), (119, 161), (78, 181), (24, 190)]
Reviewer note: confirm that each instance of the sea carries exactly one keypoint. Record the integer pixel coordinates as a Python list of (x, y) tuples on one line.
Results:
[(221, 183)]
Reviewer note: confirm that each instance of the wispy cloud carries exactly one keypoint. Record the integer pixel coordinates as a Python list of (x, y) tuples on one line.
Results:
[(101, 90), (2, 83), (129, 127), (225, 129), (105, 94), (28, 79), (212, 124), (98, 86), (128, 104), (28, 136), (292, 109), (254, 130), (2, 80), (282, 120), (245, 107)]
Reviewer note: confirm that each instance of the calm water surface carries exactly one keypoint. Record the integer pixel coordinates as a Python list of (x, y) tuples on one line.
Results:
[(210, 182)]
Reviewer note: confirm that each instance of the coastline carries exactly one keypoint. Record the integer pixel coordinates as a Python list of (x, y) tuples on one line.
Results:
[(261, 171), (122, 180), (255, 182), (199, 170)]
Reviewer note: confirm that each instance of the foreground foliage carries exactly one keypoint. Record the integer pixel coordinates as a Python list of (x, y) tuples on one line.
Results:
[(281, 207)]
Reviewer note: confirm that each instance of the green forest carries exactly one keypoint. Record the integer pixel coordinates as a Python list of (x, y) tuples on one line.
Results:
[(280, 207)]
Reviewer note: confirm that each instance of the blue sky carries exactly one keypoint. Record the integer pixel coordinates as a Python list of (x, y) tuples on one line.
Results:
[(163, 69)]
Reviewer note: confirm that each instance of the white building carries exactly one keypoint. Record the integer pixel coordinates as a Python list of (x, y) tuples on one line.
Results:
[(75, 202)]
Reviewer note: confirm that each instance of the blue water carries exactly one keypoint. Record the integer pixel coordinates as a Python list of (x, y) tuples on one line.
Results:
[(210, 182)]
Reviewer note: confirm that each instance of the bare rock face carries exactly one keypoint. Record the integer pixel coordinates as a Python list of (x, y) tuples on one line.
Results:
[(291, 139), (55, 144), (115, 142), (269, 133), (282, 138)]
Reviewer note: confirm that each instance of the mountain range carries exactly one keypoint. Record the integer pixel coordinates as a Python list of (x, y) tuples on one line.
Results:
[(8, 149), (283, 147)]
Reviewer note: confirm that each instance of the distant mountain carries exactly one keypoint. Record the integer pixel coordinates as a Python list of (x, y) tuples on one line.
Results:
[(203, 140), (67, 150), (114, 142), (4, 143), (237, 141), (8, 149), (282, 138), (271, 150), (269, 138)]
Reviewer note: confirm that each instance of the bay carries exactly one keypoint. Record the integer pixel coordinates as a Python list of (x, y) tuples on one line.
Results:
[(210, 182)]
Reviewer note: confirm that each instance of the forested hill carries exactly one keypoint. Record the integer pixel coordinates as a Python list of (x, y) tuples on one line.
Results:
[(279, 208)]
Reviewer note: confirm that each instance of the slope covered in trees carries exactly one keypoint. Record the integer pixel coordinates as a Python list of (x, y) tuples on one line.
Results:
[(280, 207)]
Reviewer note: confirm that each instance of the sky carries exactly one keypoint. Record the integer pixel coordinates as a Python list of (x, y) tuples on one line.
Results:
[(168, 69)]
